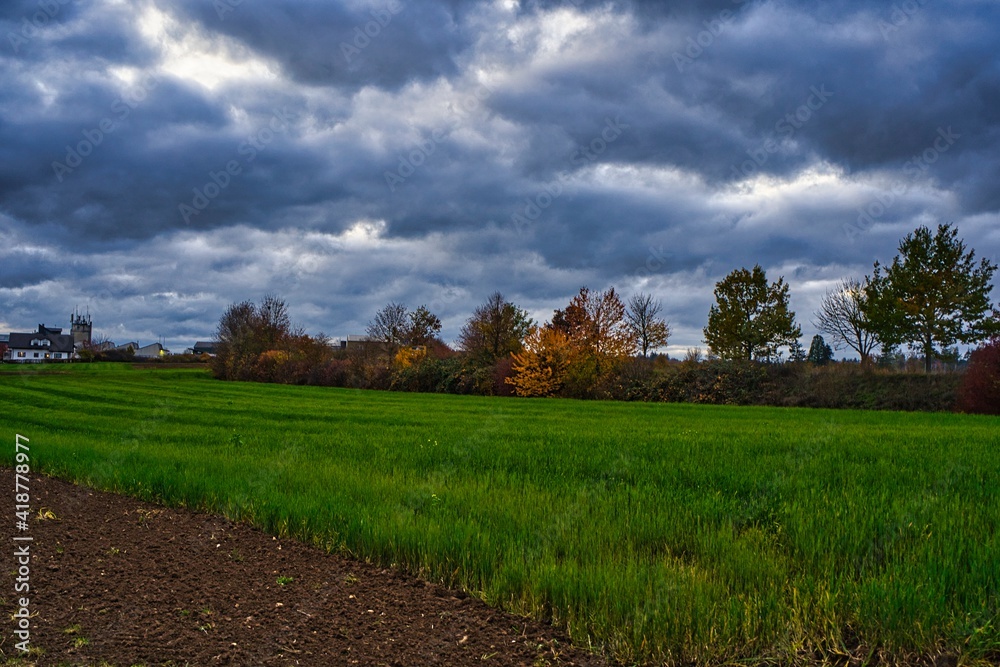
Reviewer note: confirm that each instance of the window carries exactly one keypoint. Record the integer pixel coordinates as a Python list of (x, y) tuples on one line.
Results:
[(36, 355), (20, 355), (58, 355)]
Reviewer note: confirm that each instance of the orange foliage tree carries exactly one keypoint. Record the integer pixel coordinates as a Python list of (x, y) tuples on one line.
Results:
[(408, 356), (577, 349), (540, 368), (599, 334)]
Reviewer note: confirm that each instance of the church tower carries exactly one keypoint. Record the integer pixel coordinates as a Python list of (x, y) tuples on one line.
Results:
[(82, 328)]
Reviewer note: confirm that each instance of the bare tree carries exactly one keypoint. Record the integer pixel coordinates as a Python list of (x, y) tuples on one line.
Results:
[(247, 330), (642, 318), (273, 322), (842, 316), (390, 325)]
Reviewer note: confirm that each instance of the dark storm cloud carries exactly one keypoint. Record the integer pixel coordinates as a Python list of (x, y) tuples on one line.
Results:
[(435, 151), (387, 43)]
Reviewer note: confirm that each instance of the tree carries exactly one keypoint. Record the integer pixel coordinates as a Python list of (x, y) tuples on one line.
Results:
[(642, 319), (540, 369), (980, 388), (274, 325), (246, 331), (819, 352), (751, 319), (422, 328), (932, 296), (396, 326), (842, 316), (390, 325), (496, 329), (595, 322)]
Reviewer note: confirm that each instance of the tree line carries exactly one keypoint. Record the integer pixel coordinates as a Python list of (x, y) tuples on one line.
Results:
[(932, 296)]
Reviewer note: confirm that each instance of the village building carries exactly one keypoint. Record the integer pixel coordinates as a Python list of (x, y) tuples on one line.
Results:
[(48, 344), (204, 347), (82, 330)]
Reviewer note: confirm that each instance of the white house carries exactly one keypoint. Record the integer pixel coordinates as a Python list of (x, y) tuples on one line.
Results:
[(45, 345)]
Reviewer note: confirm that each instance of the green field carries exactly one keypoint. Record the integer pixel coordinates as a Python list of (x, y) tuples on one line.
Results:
[(663, 533)]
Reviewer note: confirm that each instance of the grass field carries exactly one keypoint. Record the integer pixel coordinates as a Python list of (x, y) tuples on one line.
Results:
[(665, 533)]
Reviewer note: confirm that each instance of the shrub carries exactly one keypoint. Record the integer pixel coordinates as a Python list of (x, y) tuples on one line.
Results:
[(980, 389)]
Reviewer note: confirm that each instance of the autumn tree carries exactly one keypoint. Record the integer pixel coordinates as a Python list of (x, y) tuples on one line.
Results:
[(496, 329), (980, 388), (422, 328), (595, 323), (932, 296), (541, 368), (642, 317), (246, 331), (842, 316), (750, 319)]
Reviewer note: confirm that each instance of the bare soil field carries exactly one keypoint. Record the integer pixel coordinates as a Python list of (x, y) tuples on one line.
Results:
[(116, 581)]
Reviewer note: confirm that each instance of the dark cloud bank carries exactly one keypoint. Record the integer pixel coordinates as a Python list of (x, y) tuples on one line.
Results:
[(160, 160)]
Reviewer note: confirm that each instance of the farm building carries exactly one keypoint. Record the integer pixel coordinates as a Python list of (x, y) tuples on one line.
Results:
[(152, 350), (144, 351), (204, 347)]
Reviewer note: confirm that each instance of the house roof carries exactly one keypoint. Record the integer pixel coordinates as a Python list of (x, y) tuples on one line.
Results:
[(57, 342)]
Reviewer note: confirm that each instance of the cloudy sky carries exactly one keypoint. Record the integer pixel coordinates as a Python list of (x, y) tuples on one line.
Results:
[(162, 159)]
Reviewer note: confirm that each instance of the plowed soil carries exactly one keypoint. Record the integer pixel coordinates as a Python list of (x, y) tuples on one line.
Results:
[(115, 581)]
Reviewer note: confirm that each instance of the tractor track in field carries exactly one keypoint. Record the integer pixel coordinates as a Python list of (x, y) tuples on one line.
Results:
[(116, 581)]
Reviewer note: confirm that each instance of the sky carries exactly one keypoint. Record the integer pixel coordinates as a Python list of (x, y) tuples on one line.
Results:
[(162, 160)]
